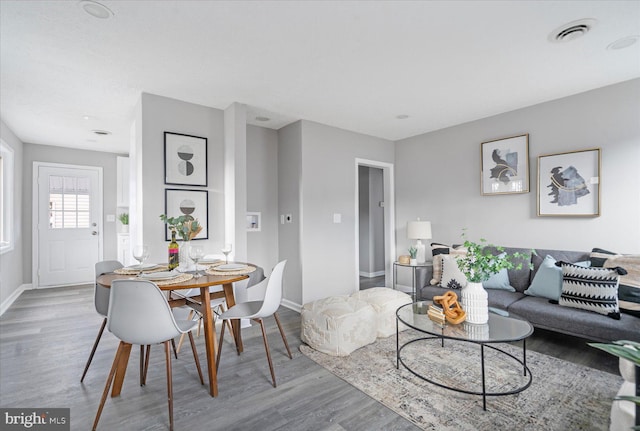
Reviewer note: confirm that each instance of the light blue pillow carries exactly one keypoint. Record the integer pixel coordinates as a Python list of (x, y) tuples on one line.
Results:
[(547, 282), (499, 281)]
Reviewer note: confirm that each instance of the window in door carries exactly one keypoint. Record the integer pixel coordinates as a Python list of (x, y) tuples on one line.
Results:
[(69, 202)]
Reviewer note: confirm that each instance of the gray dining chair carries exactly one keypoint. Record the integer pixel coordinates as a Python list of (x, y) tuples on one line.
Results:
[(258, 310), (152, 324), (101, 303)]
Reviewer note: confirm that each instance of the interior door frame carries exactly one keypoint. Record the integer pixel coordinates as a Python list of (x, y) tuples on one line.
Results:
[(389, 218), (35, 211)]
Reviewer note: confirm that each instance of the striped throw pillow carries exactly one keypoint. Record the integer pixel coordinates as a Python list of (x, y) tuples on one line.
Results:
[(629, 289), (591, 289)]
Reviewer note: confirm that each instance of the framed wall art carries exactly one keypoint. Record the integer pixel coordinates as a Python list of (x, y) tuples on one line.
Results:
[(191, 203), (569, 184), (185, 160), (505, 165)]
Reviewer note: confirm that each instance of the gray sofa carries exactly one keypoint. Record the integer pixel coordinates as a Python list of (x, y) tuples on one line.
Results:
[(540, 311)]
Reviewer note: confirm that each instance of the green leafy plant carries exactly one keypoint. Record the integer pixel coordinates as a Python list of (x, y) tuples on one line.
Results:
[(185, 226), (413, 252), (481, 260), (629, 350), (124, 218)]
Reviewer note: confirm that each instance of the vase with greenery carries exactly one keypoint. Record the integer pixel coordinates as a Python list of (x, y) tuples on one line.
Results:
[(124, 219), (187, 229), (481, 261), (629, 350), (413, 252)]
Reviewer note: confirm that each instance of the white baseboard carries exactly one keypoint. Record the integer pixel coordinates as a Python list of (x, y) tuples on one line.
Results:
[(12, 298), (371, 274), (291, 305)]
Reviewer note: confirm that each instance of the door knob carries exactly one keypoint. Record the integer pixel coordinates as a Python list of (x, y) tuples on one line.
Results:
[(94, 224), (94, 233)]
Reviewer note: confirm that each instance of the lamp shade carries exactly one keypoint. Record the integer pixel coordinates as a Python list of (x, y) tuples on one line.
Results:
[(418, 229)]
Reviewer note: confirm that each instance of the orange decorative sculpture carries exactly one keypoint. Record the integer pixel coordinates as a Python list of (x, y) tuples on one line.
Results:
[(452, 310)]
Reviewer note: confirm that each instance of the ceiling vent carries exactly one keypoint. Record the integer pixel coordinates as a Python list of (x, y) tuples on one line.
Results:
[(572, 30), (101, 132)]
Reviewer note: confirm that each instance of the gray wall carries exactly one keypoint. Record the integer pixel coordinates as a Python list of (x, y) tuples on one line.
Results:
[(438, 175), (46, 153), (11, 262), (160, 114), (289, 202), (262, 196), (329, 175)]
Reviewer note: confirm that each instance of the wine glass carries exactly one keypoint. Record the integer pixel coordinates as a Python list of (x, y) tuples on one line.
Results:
[(196, 253), (226, 250), (140, 253)]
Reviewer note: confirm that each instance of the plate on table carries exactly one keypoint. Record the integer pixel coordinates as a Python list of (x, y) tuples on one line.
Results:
[(163, 275), (206, 261), (230, 267), (143, 266)]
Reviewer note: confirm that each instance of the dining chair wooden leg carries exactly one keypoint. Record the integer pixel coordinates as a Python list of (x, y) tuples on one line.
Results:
[(195, 356), (266, 347), (284, 338), (173, 344), (141, 365), (181, 340), (220, 347), (146, 365), (93, 349), (167, 354), (107, 386)]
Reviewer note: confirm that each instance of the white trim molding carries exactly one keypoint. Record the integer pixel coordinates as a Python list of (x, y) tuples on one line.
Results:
[(13, 297)]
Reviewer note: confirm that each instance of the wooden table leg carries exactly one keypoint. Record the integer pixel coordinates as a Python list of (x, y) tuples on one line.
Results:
[(209, 335), (118, 380), (235, 323)]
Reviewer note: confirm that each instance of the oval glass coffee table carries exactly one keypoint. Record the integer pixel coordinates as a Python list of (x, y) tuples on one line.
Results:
[(501, 328)]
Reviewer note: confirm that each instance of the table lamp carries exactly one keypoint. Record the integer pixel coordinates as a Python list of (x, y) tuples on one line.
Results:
[(419, 230)]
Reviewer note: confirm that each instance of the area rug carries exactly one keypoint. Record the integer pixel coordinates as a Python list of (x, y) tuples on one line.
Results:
[(563, 396)]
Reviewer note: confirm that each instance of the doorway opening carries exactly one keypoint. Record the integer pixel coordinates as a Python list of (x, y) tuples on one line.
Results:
[(374, 223)]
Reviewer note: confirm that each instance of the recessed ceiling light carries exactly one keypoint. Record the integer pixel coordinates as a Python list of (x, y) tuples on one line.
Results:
[(402, 116), (95, 9), (101, 132), (571, 30), (263, 118), (625, 42)]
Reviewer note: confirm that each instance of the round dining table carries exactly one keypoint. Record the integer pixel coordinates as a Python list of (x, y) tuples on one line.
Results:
[(204, 283)]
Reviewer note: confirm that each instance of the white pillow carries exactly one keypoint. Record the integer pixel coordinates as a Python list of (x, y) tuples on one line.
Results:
[(452, 277)]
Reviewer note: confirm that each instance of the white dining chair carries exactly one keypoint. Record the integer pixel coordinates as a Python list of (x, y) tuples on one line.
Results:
[(101, 303), (258, 310), (152, 324)]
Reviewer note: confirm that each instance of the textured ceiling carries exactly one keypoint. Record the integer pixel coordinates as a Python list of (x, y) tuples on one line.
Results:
[(354, 65)]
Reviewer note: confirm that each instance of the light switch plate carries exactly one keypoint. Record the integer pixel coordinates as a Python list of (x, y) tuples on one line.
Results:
[(111, 217), (337, 218)]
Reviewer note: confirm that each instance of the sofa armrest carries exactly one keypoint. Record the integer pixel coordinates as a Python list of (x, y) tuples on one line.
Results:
[(424, 274)]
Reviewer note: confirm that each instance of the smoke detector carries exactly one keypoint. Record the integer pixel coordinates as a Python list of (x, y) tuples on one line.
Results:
[(572, 30)]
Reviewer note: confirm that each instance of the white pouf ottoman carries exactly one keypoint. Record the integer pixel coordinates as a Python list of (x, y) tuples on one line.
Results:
[(338, 325), (385, 302)]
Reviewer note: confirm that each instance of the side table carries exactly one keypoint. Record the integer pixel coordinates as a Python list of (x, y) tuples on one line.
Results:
[(413, 274)]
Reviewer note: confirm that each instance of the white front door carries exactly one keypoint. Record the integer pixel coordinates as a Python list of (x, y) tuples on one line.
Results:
[(69, 224)]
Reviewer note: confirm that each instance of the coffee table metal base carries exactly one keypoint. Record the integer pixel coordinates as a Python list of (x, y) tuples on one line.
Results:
[(484, 393)]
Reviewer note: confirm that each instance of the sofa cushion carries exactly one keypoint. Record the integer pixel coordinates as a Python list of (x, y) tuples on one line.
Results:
[(629, 288), (593, 289), (547, 283), (580, 323), (499, 281), (519, 278), (438, 250), (452, 277)]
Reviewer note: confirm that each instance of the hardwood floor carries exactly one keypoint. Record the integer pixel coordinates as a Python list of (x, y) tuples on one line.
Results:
[(46, 336)]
